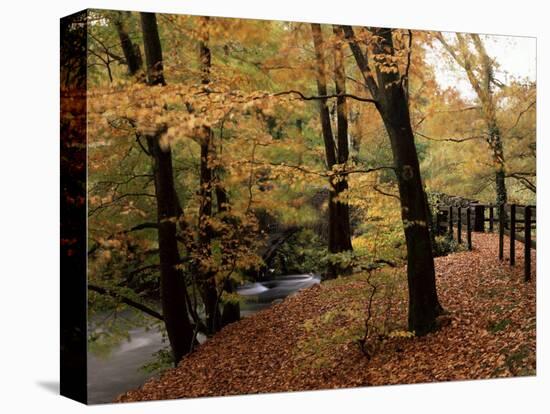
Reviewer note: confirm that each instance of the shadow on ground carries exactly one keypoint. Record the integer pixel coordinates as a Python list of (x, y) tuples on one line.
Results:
[(51, 386)]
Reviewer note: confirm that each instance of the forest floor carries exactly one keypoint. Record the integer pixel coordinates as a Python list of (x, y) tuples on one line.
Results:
[(309, 341)]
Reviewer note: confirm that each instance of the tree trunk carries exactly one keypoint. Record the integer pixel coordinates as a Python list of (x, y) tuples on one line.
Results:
[(423, 302), (153, 50), (486, 96), (482, 81), (205, 275), (172, 282), (393, 107), (431, 222), (495, 142), (502, 196), (231, 310), (342, 234), (131, 51), (330, 151), (424, 305), (339, 232)]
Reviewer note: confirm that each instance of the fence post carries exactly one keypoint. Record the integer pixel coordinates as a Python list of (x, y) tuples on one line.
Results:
[(512, 234), (527, 243), (491, 218), (450, 219), (459, 226), (479, 218), (501, 231), (469, 227)]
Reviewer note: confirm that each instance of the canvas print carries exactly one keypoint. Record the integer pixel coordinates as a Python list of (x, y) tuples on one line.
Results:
[(255, 206)]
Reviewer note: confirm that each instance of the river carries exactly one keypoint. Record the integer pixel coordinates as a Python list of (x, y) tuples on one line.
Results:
[(120, 371)]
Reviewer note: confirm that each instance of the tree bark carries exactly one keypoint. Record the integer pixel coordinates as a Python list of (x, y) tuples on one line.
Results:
[(326, 127), (173, 289), (231, 311), (342, 234), (393, 107), (153, 49), (131, 51), (495, 142), (205, 275), (339, 231)]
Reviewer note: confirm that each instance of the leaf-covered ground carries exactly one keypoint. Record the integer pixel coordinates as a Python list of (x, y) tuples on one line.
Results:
[(309, 341)]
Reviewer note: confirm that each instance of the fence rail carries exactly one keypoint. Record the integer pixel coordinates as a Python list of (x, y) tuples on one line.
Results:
[(516, 221)]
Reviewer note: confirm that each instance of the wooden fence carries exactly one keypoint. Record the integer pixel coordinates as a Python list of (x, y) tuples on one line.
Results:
[(516, 221)]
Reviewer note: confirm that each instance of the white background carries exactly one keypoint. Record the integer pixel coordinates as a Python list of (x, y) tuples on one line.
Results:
[(29, 206)]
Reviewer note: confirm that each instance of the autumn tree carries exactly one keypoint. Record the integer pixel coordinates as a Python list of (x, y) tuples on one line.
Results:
[(235, 158), (386, 82), (132, 53), (470, 54), (336, 148), (518, 122), (206, 274), (172, 283)]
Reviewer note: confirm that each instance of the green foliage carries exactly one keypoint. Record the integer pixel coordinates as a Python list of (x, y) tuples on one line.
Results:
[(231, 298), (304, 252), (326, 334), (109, 324), (444, 245), (344, 323), (516, 361), (268, 154), (342, 260), (161, 361), (497, 326)]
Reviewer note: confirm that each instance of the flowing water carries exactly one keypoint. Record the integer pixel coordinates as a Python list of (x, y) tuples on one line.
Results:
[(120, 371)]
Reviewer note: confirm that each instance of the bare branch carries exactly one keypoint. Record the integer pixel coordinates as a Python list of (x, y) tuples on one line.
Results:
[(321, 97), (522, 178), (117, 199), (324, 173), (521, 114), (380, 191), (449, 139), (126, 300)]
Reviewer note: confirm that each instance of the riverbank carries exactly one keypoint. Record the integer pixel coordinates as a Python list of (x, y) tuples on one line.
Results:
[(120, 368), (309, 341)]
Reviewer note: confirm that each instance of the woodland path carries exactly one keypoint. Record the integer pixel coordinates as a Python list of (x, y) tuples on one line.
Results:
[(309, 340)]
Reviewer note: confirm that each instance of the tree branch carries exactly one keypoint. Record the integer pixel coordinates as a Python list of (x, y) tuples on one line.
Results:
[(364, 170), (117, 199), (141, 226), (126, 300), (449, 139), (380, 191), (521, 114), (324, 173), (405, 76), (361, 59), (522, 178), (321, 97)]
